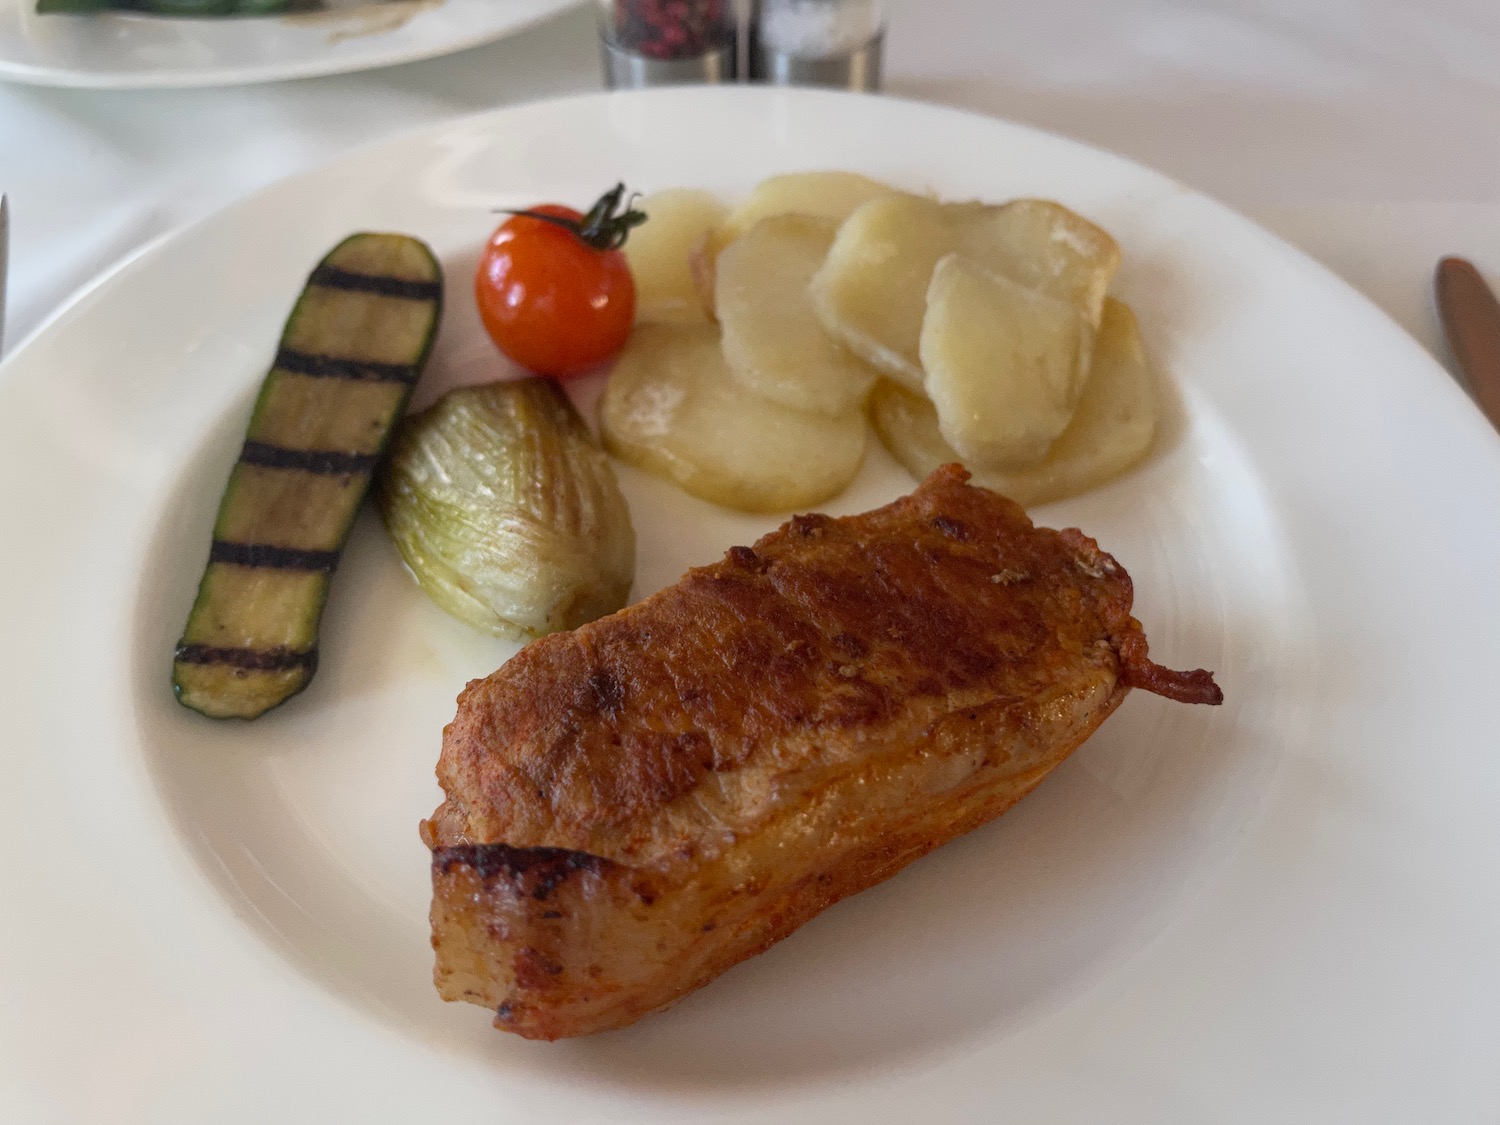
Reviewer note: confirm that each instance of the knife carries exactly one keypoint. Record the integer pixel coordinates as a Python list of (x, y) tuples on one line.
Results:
[(1471, 320)]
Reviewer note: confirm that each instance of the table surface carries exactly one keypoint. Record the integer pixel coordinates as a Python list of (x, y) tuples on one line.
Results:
[(1361, 130)]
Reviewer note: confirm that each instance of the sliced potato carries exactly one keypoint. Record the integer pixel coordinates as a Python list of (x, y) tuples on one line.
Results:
[(703, 264), (672, 408), (829, 195), (1111, 430), (1005, 364), (773, 342), (907, 424), (871, 292), (660, 252), (832, 195), (1042, 245)]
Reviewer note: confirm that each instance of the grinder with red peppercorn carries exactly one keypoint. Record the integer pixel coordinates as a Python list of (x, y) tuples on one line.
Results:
[(666, 42)]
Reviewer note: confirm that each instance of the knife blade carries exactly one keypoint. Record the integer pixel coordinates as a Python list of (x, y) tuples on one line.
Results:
[(1471, 321)]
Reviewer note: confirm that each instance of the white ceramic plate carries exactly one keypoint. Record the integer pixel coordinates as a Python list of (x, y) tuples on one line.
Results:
[(1285, 909), (125, 51)]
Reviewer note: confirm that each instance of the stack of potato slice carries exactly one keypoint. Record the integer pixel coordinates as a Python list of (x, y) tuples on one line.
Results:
[(730, 385), (976, 333)]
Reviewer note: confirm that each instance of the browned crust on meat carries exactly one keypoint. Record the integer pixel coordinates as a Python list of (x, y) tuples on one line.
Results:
[(637, 805)]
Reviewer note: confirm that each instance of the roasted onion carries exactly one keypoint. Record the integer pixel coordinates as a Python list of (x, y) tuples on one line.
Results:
[(507, 512)]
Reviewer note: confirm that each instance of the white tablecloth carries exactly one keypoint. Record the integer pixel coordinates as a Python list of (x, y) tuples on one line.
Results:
[(1362, 130)]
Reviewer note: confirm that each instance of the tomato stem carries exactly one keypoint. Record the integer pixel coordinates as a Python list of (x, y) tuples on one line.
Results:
[(607, 224)]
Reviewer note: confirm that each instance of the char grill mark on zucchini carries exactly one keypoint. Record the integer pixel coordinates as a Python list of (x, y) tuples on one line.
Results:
[(334, 278), (272, 558), (328, 461), (331, 367), (267, 660), (352, 350)]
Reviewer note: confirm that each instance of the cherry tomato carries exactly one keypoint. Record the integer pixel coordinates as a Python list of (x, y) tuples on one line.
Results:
[(554, 290)]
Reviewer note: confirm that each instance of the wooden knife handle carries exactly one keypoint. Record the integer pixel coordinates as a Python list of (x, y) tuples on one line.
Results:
[(1471, 319)]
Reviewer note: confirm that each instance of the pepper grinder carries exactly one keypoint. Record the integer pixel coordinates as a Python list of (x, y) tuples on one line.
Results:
[(668, 42), (818, 43)]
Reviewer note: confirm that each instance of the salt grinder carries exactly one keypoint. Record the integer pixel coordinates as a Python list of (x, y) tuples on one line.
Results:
[(818, 42)]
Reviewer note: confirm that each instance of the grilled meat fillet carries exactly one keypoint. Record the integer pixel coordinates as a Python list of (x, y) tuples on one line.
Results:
[(637, 805)]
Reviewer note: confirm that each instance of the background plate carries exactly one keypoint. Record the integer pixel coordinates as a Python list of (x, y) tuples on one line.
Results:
[(146, 52), (1284, 909)]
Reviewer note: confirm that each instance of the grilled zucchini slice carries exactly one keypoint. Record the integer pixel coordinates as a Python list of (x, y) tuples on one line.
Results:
[(353, 347)]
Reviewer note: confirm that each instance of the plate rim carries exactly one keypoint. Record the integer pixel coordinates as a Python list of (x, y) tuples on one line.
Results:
[(202, 78)]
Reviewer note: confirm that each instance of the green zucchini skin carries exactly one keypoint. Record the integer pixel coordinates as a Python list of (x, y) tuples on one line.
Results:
[(351, 352)]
